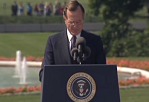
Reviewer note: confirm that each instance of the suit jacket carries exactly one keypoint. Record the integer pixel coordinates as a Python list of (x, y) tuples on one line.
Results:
[(57, 50)]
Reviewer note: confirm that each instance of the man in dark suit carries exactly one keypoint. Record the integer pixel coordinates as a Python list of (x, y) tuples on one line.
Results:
[(14, 9), (59, 46)]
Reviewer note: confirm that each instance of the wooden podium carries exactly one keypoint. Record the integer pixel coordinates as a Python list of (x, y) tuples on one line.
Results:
[(80, 83)]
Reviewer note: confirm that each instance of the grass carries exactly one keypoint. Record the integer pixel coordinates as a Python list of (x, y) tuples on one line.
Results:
[(20, 98), (134, 95), (31, 44), (127, 95)]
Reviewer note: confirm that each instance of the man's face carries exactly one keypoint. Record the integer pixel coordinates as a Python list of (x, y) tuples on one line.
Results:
[(74, 21)]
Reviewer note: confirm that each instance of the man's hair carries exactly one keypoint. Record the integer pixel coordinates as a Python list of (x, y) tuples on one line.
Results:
[(72, 5)]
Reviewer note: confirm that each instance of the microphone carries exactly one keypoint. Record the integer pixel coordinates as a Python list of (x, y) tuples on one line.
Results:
[(86, 52), (80, 41), (74, 53), (80, 44), (81, 52)]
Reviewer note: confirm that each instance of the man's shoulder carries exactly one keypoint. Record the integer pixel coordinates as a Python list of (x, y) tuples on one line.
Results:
[(92, 35), (56, 35)]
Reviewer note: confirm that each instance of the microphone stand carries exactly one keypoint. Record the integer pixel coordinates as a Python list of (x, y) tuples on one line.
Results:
[(81, 55), (80, 59)]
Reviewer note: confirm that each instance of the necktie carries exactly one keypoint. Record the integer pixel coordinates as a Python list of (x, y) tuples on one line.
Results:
[(73, 41)]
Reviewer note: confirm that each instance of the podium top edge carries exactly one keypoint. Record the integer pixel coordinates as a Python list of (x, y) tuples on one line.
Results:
[(82, 65)]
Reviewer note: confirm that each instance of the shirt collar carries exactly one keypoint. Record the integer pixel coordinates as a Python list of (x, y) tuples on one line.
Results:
[(70, 35)]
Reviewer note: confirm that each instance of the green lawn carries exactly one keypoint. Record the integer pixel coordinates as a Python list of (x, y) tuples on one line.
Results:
[(135, 95), (30, 44), (127, 95), (20, 98)]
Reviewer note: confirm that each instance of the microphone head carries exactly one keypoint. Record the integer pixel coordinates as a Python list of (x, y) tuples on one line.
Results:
[(80, 41), (73, 51), (87, 51)]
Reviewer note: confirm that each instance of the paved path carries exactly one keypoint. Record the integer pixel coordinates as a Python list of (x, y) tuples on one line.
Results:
[(57, 27)]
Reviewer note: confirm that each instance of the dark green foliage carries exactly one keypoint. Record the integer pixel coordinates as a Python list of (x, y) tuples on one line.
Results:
[(40, 19), (119, 38)]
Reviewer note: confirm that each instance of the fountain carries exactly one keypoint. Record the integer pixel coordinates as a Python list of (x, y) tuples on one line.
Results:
[(23, 72), (21, 68), (18, 63), (26, 72), (19, 73)]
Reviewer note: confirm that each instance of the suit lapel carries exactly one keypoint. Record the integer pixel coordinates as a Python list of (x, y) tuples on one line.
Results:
[(65, 47), (83, 34)]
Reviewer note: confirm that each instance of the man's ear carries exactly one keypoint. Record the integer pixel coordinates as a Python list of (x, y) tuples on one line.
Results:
[(64, 17)]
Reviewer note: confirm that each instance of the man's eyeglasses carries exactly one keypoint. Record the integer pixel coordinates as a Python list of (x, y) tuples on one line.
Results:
[(75, 22)]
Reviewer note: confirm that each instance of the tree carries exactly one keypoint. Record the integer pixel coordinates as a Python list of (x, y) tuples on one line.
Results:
[(117, 29)]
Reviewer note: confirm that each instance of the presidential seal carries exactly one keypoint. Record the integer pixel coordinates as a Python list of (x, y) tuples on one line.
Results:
[(81, 87)]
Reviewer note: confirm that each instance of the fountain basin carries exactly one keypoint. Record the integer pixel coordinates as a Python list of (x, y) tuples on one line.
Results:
[(7, 78)]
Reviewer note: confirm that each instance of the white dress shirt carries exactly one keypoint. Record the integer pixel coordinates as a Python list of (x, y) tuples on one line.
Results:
[(70, 38)]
